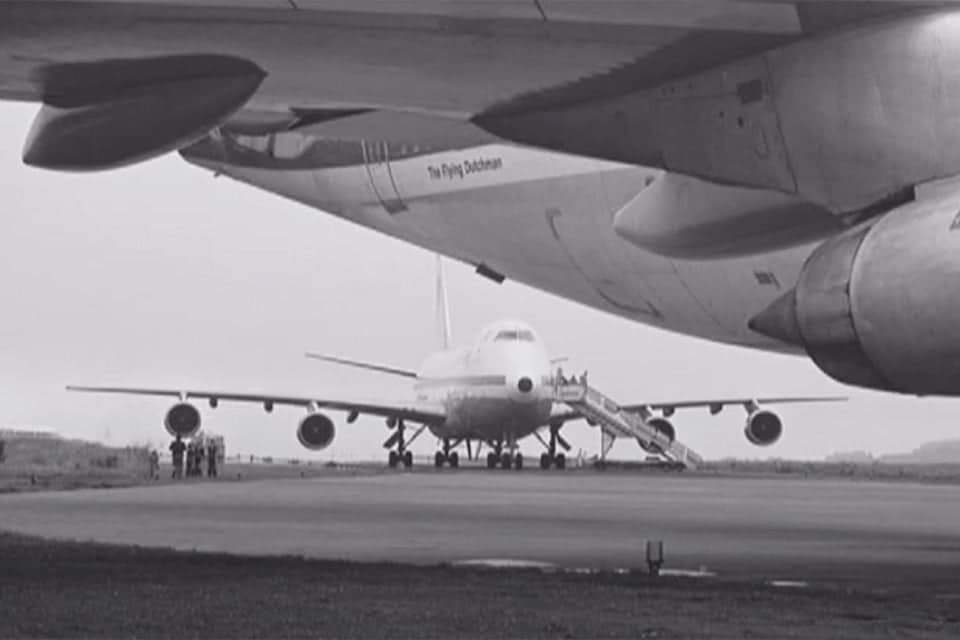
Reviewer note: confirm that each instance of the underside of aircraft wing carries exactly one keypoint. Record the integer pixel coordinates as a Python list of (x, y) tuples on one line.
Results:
[(345, 69), (423, 413)]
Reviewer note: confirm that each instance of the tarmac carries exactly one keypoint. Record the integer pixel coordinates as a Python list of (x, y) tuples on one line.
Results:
[(783, 528)]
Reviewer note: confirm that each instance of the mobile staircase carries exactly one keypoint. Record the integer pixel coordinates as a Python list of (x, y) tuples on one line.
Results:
[(616, 422)]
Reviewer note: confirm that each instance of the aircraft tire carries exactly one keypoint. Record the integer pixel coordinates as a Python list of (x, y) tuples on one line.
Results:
[(545, 461), (560, 461), (454, 460), (506, 461), (491, 460), (408, 459), (518, 462), (439, 459), (393, 459)]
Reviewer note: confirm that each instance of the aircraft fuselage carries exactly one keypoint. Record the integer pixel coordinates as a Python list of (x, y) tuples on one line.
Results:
[(500, 389)]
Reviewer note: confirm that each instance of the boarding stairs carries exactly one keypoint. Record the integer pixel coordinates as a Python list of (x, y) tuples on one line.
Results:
[(616, 422)]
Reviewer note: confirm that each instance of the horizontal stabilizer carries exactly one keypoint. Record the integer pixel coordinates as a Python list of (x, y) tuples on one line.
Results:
[(364, 365)]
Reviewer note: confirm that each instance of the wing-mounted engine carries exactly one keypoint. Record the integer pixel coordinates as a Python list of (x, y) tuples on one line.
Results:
[(316, 431), (183, 419), (108, 114), (763, 427), (663, 427), (878, 306)]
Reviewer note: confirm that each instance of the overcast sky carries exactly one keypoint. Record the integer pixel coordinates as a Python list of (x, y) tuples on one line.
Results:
[(163, 275)]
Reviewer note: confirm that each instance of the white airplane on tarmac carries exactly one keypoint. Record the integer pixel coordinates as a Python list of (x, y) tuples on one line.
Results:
[(779, 174), (499, 390)]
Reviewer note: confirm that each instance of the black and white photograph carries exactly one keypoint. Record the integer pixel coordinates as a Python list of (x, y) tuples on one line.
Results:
[(502, 319)]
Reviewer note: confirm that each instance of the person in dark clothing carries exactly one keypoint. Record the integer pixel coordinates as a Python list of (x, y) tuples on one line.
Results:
[(3, 453), (190, 459), (212, 459), (154, 465), (177, 448), (198, 459)]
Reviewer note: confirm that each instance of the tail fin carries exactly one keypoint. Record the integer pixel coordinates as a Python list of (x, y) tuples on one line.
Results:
[(443, 311)]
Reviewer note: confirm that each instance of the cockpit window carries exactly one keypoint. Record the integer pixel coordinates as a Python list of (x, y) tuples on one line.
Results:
[(513, 336)]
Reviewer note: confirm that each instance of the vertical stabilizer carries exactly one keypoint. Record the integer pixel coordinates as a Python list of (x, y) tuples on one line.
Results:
[(443, 311)]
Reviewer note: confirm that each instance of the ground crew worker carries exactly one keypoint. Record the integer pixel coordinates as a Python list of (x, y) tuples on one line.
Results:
[(177, 449), (154, 465), (212, 459), (198, 459), (190, 459)]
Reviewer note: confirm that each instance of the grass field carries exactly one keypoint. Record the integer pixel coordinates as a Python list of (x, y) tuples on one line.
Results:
[(53, 463), (59, 589)]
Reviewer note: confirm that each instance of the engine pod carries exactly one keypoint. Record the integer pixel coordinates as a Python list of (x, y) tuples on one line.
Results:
[(115, 113), (316, 432), (877, 306), (183, 419)]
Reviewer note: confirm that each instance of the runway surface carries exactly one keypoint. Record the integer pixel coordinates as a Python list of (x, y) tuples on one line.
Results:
[(785, 528)]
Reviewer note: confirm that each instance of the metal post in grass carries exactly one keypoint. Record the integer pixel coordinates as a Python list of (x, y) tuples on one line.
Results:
[(654, 556)]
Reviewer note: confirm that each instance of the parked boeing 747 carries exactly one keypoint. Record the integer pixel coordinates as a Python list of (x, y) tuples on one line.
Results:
[(497, 391)]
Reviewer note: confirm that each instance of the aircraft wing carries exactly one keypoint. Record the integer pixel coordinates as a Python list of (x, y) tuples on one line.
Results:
[(717, 404), (381, 65), (424, 413), (561, 414)]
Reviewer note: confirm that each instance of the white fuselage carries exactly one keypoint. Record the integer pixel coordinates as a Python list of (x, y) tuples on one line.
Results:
[(500, 389), (541, 218)]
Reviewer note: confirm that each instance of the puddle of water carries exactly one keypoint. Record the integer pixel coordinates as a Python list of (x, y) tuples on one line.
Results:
[(504, 563), (789, 584)]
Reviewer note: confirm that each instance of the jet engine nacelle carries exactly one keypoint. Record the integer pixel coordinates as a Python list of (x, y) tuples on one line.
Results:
[(316, 432), (763, 428), (113, 113), (663, 426), (878, 305), (183, 419), (667, 434)]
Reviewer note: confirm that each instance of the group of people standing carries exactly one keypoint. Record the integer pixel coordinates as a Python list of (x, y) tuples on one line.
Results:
[(195, 452)]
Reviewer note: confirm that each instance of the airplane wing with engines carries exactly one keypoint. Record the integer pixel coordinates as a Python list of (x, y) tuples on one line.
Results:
[(418, 412), (715, 406)]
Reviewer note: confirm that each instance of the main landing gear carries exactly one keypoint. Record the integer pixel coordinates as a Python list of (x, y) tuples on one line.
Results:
[(401, 454), (551, 458), (504, 459), (446, 456)]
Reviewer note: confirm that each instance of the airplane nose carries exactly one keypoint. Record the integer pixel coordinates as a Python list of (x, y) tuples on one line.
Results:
[(525, 385)]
